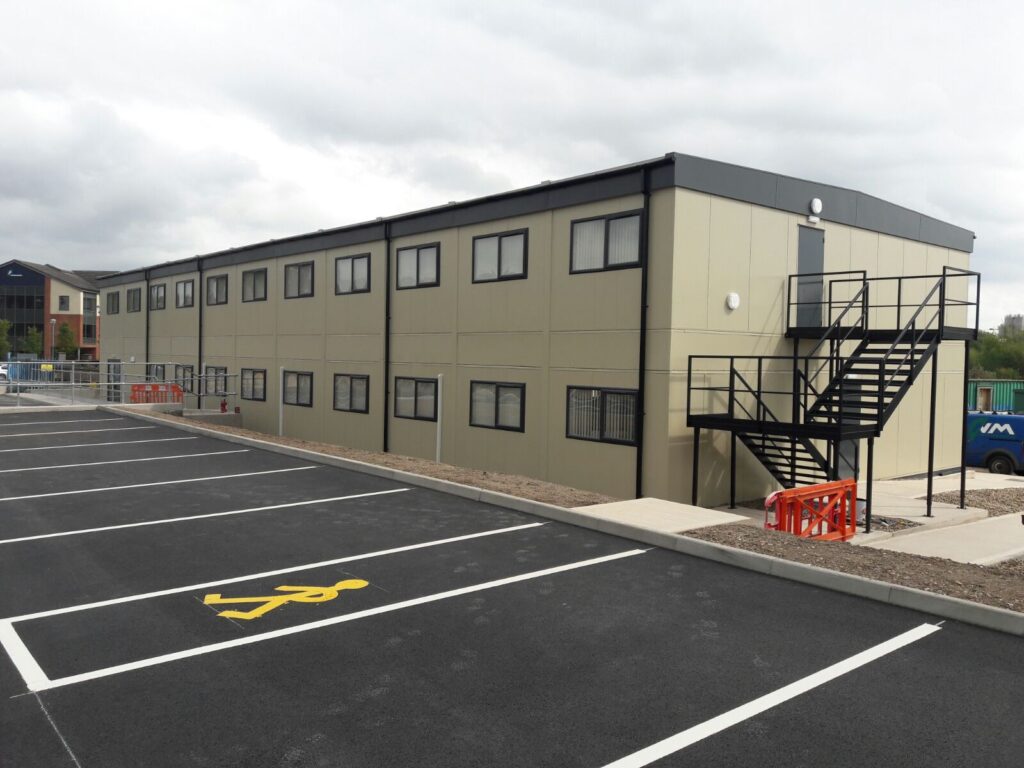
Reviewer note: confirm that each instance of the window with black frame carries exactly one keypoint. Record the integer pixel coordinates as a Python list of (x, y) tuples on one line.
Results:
[(605, 242), (298, 280), (157, 296), (497, 405), (298, 388), (499, 257), (133, 298), (416, 399), (351, 393), (419, 266), (183, 293), (254, 285), (603, 415), (216, 290), (254, 384), (216, 380), (113, 302), (352, 274)]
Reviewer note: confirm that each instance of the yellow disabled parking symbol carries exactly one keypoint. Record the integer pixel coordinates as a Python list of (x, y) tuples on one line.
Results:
[(293, 595)]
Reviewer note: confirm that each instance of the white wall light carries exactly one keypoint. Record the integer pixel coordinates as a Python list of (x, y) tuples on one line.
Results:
[(815, 207), (732, 300)]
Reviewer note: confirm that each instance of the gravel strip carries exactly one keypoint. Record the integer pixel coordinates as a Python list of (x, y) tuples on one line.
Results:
[(998, 501), (1001, 585)]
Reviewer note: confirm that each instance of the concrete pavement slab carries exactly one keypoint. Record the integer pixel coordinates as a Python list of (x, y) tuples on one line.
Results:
[(982, 542), (660, 515)]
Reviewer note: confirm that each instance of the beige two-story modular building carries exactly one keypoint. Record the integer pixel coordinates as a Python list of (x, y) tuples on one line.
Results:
[(583, 331)]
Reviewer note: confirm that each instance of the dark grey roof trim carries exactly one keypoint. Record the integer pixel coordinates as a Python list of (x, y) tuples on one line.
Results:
[(843, 206)]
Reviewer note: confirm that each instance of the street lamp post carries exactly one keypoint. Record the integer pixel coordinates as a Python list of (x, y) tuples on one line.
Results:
[(53, 330)]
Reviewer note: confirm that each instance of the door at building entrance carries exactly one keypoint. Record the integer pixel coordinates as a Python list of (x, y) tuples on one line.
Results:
[(810, 260)]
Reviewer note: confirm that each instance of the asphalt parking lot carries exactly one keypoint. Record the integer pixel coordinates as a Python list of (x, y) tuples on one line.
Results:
[(171, 599)]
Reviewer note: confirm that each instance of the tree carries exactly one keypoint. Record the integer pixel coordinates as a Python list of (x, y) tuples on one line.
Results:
[(66, 341), (5, 342), (33, 342), (993, 357)]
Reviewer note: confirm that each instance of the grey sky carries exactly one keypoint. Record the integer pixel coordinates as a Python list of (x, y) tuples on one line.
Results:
[(135, 133)]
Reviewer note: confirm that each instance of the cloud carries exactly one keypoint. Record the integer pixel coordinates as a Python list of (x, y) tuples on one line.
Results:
[(129, 138)]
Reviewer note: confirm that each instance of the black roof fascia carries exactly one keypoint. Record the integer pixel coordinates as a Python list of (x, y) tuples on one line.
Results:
[(771, 190)]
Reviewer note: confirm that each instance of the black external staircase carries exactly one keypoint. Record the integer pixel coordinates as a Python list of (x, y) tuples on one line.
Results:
[(802, 416)]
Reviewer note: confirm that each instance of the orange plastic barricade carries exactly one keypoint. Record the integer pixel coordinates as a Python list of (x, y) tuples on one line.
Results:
[(827, 511), (156, 393)]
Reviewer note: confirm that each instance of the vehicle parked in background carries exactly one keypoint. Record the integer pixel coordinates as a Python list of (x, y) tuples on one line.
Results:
[(995, 441), (3, 372)]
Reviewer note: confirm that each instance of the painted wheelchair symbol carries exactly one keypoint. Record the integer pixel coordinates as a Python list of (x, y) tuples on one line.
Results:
[(270, 602)]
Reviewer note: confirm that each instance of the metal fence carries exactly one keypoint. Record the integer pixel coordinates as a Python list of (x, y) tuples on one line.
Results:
[(71, 382)]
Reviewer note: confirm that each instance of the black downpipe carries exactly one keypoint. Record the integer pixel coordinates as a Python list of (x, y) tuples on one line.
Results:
[(642, 380), (387, 331), (147, 368), (199, 344)]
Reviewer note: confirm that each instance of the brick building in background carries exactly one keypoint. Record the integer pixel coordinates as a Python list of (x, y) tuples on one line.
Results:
[(31, 295)]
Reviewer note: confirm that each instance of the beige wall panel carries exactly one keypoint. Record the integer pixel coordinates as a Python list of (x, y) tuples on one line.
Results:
[(301, 315), (837, 247), (250, 346), (606, 300), (358, 430), (300, 421), (159, 348), (690, 273), (503, 349), (58, 289), (356, 313), (218, 346), (430, 309), (365, 347), (300, 346), (661, 267), (507, 305), (607, 350), (424, 348), (769, 266), (415, 437), (729, 269), (501, 450)]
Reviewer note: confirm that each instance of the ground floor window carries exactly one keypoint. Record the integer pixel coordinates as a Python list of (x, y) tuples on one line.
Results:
[(254, 384), (416, 399), (298, 388), (156, 371), (605, 415), (183, 377), (216, 380), (497, 405), (350, 393)]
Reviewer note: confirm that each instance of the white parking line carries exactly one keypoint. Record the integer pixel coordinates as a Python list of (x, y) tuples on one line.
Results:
[(63, 421), (36, 679), (149, 485), (125, 461), (96, 445), (266, 574), (187, 518), (728, 719), (74, 432)]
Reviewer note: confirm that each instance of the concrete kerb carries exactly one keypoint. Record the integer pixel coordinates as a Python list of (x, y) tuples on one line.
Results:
[(989, 617), (48, 409)]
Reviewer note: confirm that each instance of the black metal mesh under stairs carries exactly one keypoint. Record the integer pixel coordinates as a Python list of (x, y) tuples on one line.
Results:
[(873, 380), (793, 461)]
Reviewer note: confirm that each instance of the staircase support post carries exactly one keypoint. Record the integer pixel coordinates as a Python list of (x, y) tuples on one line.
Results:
[(732, 472), (931, 430), (963, 432), (871, 483), (696, 465)]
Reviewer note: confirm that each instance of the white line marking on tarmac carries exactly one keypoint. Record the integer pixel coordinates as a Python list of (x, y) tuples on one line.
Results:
[(39, 681), (56, 730), (62, 421), (267, 574), (73, 432), (126, 461), (149, 485), (97, 445), (187, 518), (746, 711)]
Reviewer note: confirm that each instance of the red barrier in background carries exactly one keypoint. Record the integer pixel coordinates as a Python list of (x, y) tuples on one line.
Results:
[(827, 511), (156, 393)]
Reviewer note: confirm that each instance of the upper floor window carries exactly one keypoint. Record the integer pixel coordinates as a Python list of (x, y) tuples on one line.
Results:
[(63, 303), (298, 280), (352, 274), (157, 296), (497, 405), (113, 303), (183, 293), (606, 242), (254, 285), (133, 298), (499, 257), (605, 415), (419, 267), (217, 290)]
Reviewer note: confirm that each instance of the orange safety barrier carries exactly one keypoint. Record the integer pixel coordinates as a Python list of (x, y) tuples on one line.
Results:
[(827, 511), (156, 393)]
